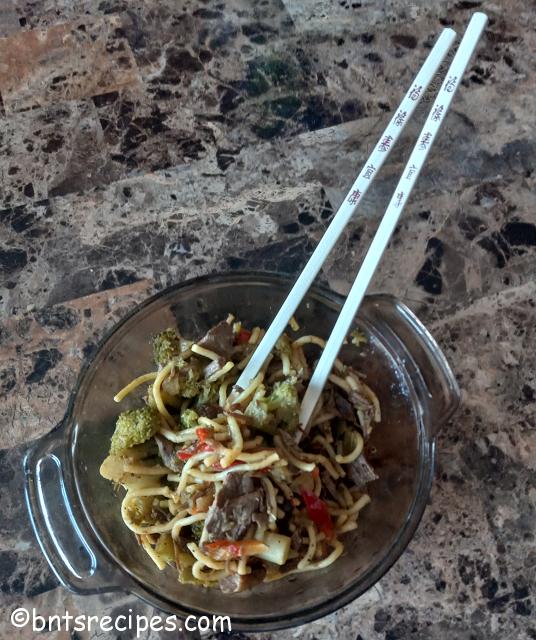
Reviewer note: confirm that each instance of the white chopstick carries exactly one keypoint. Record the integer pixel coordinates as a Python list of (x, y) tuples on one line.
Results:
[(348, 207), (390, 218)]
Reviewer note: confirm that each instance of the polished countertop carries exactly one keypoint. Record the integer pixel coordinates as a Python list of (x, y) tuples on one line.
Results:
[(145, 142)]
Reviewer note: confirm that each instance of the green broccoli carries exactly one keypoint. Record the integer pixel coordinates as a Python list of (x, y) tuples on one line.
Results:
[(166, 345), (189, 419), (284, 401), (184, 381), (189, 375), (258, 412), (134, 427), (208, 393)]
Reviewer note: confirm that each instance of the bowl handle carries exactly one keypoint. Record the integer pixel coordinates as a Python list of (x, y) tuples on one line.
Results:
[(75, 563), (425, 361)]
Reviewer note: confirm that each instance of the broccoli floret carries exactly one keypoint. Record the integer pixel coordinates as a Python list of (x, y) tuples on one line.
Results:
[(184, 380), (189, 375), (284, 401), (258, 412), (189, 419), (208, 393), (166, 345), (134, 427)]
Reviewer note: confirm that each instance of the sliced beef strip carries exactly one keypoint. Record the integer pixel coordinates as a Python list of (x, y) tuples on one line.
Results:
[(360, 472), (295, 540), (219, 339), (345, 408), (261, 519), (329, 484), (236, 583), (208, 410), (328, 398), (292, 446), (168, 452), (240, 502), (213, 367), (361, 402)]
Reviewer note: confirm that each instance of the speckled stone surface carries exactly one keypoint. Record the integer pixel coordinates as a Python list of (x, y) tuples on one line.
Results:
[(146, 142)]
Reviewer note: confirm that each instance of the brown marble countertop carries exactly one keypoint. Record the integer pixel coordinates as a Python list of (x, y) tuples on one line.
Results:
[(144, 142)]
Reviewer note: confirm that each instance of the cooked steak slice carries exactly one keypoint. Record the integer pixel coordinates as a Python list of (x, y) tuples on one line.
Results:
[(345, 408), (213, 367), (168, 453), (240, 503), (292, 446), (219, 339), (295, 540), (208, 410), (360, 472), (365, 406), (236, 583)]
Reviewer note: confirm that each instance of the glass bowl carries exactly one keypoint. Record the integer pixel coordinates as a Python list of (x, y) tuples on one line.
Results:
[(76, 513)]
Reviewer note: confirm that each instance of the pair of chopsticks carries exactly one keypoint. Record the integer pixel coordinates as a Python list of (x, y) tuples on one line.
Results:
[(387, 225)]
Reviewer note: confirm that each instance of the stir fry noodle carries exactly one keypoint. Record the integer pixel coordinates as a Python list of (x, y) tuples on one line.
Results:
[(216, 485)]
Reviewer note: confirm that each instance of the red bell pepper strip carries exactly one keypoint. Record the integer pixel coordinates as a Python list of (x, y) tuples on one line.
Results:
[(318, 512), (243, 336), (203, 433), (229, 549), (186, 454)]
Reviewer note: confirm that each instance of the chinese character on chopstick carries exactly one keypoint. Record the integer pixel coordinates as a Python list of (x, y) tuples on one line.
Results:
[(354, 196), (411, 171), (425, 141), (437, 112), (450, 84), (385, 143), (399, 197), (369, 171), (415, 92), (400, 117)]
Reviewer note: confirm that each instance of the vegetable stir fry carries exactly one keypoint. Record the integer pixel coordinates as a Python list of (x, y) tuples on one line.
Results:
[(216, 486)]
